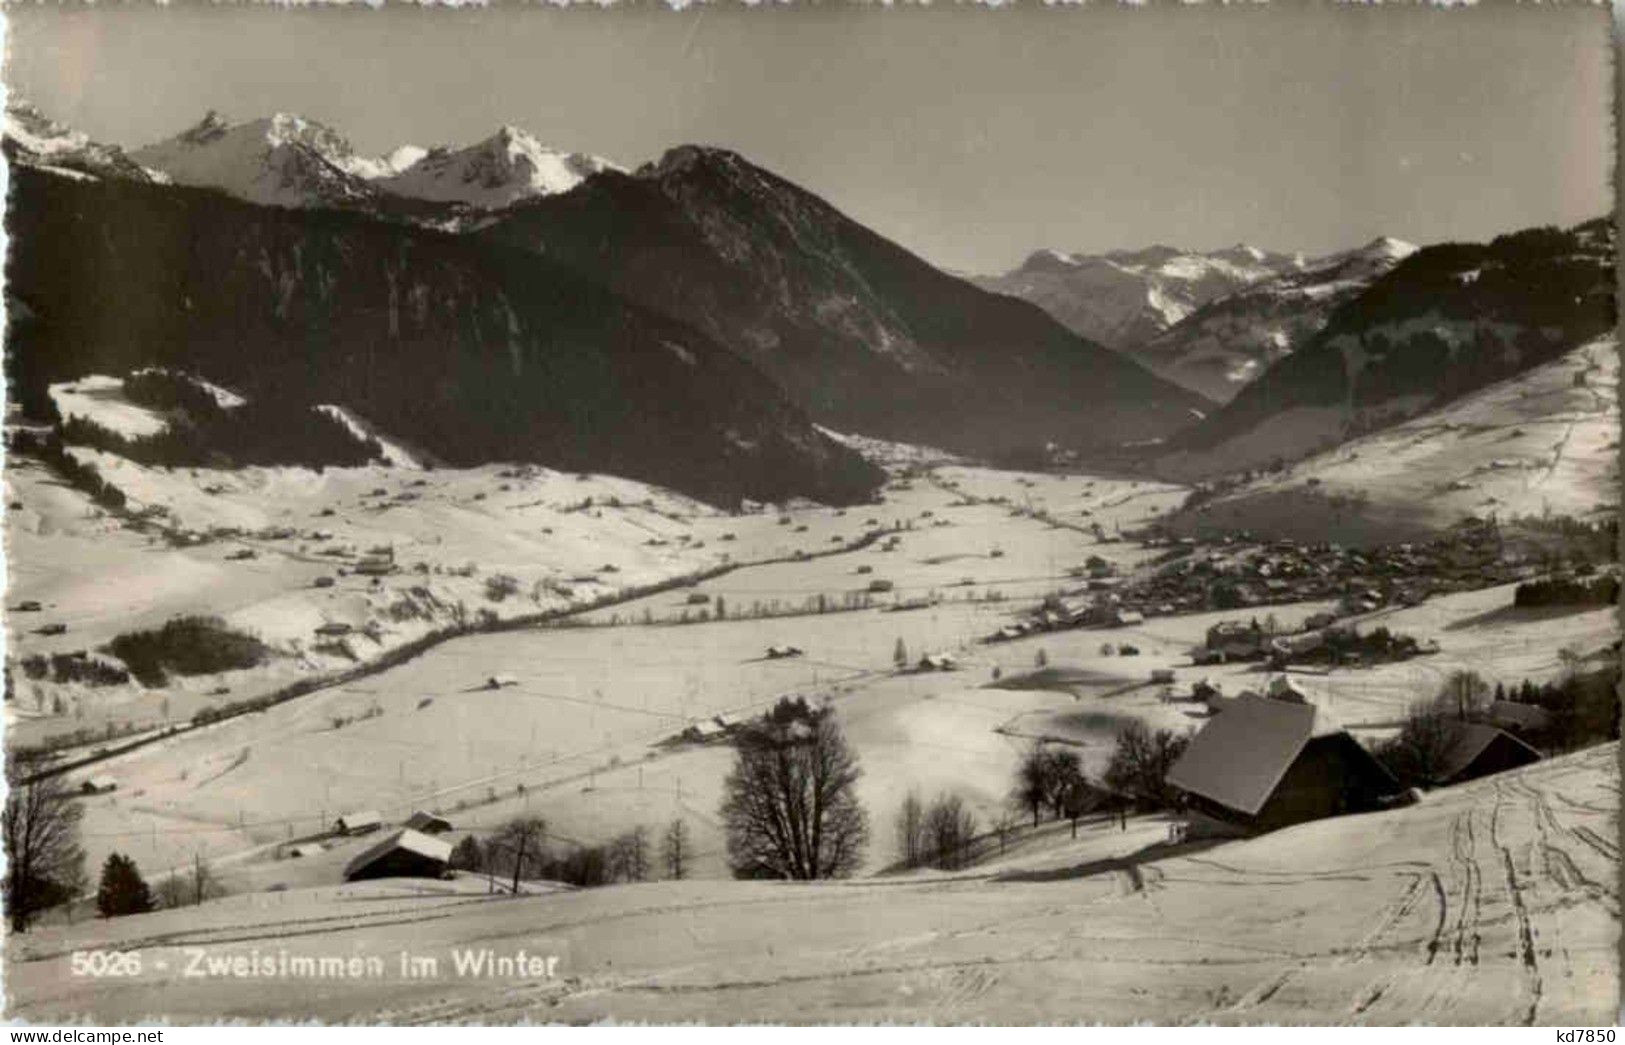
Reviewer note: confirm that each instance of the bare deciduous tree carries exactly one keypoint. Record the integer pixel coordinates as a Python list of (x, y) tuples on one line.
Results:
[(674, 849), (911, 830), (44, 865), (202, 883), (629, 855), (1004, 825), (1031, 788), (1140, 762), (1417, 755), (949, 828), (518, 845), (789, 805), (1063, 771)]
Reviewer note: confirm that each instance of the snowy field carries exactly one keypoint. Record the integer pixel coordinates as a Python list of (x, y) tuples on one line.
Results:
[(580, 708), (576, 724), (1491, 903), (575, 731)]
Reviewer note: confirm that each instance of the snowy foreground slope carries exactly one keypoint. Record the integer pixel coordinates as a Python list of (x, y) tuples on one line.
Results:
[(1489, 903)]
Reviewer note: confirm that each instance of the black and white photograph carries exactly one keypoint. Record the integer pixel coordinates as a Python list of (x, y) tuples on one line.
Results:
[(811, 514)]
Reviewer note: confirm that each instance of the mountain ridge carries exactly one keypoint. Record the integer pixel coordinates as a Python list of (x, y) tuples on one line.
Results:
[(868, 336)]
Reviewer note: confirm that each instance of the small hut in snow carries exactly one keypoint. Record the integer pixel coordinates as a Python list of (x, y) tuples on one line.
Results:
[(428, 823), (359, 822)]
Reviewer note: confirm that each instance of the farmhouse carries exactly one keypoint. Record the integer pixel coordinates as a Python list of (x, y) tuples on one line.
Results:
[(377, 562), (358, 822), (1236, 640), (404, 854), (1480, 750), (428, 823), (1262, 764)]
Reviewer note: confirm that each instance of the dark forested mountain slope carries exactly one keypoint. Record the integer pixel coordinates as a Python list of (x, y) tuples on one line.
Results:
[(865, 335), (474, 352)]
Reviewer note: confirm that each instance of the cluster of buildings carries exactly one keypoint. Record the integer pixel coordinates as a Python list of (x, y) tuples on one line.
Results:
[(1235, 571), (1267, 761)]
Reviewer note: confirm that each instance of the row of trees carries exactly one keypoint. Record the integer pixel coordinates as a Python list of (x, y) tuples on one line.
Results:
[(521, 849), (1568, 591), (939, 834), (790, 808)]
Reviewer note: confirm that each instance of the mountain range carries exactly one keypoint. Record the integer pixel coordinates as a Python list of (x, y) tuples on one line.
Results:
[(1124, 298), (1447, 320), (684, 323), (289, 161), (1208, 321), (696, 320)]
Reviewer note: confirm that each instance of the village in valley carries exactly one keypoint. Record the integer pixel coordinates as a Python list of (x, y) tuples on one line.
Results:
[(485, 583), (961, 644)]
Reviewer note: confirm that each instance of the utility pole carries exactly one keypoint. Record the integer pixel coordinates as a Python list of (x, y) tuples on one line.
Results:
[(519, 861)]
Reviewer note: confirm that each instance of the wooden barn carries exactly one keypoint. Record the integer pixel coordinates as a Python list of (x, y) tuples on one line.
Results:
[(404, 854), (1262, 764), (1480, 750), (358, 822)]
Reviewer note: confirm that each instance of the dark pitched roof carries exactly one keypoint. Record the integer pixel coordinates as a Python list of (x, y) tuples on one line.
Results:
[(1243, 751), (405, 838), (427, 822), (1471, 740)]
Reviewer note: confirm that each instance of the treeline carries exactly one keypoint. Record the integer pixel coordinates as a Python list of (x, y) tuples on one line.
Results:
[(1582, 709), (203, 434), (192, 645), (80, 475), (1602, 590), (78, 666)]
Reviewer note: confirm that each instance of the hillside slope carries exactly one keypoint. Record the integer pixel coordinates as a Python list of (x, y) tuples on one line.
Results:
[(1447, 320), (1490, 903), (472, 352), (1542, 443), (865, 336)]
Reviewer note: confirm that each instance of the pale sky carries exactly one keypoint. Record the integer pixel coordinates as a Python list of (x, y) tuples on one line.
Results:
[(972, 136)]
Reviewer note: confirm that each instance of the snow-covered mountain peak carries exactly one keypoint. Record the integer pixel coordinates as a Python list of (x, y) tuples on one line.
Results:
[(509, 166), (283, 159), (1389, 247), (206, 130), (34, 139)]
